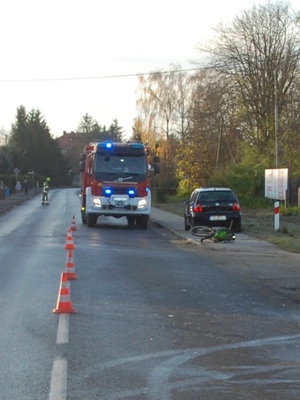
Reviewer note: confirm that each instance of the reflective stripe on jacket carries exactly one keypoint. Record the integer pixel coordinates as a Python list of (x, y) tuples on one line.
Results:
[(45, 187)]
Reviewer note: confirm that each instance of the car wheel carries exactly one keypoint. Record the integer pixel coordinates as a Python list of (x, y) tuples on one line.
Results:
[(238, 227), (187, 226)]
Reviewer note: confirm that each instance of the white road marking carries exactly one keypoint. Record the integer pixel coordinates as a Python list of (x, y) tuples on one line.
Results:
[(58, 385), (63, 329), (58, 388)]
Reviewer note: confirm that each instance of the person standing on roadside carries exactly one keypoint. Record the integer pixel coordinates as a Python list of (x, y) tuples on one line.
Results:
[(18, 187), (45, 192)]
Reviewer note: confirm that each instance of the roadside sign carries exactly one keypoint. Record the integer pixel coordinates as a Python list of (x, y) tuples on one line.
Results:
[(276, 183)]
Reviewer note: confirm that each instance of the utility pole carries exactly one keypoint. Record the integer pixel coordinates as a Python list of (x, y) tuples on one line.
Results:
[(276, 123)]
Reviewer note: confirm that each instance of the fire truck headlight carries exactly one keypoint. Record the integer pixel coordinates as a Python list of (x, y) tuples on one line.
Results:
[(96, 202), (142, 204)]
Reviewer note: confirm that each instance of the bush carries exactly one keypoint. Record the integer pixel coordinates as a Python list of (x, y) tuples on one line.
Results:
[(184, 188), (289, 211)]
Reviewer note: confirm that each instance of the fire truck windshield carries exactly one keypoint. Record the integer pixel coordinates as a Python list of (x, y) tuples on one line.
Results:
[(112, 167)]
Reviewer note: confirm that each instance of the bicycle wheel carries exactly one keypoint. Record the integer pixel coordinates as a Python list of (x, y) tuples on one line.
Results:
[(203, 231)]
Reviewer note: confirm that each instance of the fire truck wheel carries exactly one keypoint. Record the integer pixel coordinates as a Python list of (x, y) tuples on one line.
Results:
[(91, 220), (83, 218), (142, 221), (130, 221)]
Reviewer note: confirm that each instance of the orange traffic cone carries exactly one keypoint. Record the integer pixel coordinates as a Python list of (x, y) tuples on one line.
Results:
[(64, 304), (73, 224), (70, 266), (69, 242)]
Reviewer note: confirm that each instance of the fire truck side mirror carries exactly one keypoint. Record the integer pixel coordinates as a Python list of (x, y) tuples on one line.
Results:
[(82, 166)]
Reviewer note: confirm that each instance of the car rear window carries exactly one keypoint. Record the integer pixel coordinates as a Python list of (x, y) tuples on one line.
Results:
[(216, 197)]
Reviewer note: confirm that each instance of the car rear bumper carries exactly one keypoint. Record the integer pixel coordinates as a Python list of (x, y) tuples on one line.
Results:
[(232, 219)]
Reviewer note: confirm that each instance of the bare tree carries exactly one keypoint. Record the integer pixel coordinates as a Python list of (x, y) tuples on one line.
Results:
[(212, 140), (260, 50), (3, 137), (156, 103)]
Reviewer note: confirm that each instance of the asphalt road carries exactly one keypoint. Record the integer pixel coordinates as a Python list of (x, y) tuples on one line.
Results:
[(158, 316)]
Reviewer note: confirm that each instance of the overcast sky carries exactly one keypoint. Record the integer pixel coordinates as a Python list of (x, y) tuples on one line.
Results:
[(63, 56)]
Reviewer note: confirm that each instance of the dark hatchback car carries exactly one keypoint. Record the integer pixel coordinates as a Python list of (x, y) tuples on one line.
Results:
[(214, 206)]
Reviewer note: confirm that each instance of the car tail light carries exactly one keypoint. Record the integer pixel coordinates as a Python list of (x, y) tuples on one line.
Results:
[(198, 208), (236, 207)]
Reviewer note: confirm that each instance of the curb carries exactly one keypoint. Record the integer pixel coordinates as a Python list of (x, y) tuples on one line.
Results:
[(176, 232)]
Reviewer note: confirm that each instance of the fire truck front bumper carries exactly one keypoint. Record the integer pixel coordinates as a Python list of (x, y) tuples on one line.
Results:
[(117, 204)]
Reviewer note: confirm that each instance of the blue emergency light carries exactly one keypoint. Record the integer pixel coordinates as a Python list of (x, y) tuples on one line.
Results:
[(107, 192), (131, 192)]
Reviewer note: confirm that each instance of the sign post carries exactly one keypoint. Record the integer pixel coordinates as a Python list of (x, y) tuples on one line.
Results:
[(32, 177), (276, 216), (16, 172)]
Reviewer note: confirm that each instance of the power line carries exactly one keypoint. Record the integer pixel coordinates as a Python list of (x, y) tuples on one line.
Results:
[(98, 77)]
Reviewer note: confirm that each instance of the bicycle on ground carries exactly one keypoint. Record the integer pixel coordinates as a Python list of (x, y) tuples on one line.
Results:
[(215, 234)]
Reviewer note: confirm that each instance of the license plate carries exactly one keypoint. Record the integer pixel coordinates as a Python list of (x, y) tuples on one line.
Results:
[(119, 201), (217, 218)]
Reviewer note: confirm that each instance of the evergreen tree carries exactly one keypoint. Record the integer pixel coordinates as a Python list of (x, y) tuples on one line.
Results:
[(34, 149), (115, 132), (6, 160)]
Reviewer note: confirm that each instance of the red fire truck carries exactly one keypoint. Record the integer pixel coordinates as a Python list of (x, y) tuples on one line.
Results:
[(115, 182)]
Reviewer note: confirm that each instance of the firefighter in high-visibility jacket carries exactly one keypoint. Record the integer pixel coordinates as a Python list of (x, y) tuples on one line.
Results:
[(45, 192)]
